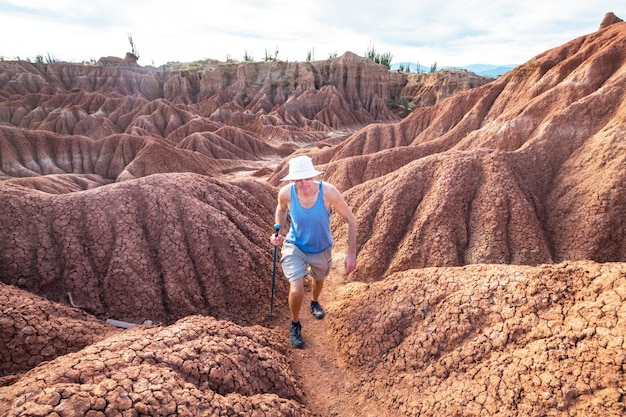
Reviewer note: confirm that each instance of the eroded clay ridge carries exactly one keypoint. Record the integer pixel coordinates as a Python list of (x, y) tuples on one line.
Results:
[(197, 366), (489, 340), (527, 169), (36, 158), (279, 100), (33, 330), (239, 114), (157, 248)]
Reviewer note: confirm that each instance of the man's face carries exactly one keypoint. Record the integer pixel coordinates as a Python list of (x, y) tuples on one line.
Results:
[(304, 185)]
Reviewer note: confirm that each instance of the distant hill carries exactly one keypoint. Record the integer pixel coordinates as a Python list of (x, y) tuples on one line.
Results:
[(489, 70), (486, 70)]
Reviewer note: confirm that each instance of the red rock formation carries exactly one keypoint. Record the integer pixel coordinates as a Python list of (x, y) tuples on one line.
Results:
[(197, 366), (609, 19), (118, 157), (527, 169), (251, 89), (488, 340), (429, 89), (33, 330), (129, 61), (158, 248)]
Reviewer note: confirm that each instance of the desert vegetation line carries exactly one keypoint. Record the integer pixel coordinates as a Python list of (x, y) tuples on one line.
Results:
[(383, 58)]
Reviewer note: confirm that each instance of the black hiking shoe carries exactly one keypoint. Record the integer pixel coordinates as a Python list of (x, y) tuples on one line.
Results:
[(295, 335), (317, 310)]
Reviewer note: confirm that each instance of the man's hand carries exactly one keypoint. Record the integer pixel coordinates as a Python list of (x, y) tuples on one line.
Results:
[(349, 264), (277, 240)]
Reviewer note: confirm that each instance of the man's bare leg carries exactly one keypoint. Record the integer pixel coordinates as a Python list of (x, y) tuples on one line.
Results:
[(296, 294), (316, 289)]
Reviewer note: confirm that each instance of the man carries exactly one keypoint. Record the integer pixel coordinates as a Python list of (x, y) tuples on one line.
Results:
[(308, 243)]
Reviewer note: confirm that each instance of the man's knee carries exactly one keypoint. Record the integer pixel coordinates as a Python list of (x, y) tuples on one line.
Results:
[(296, 288)]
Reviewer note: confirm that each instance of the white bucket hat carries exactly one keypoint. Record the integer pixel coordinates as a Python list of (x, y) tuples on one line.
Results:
[(301, 167)]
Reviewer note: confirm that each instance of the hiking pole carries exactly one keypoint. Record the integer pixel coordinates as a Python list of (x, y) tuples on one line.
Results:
[(277, 228)]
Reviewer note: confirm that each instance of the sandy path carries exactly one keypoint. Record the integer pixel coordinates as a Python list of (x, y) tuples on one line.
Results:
[(330, 388)]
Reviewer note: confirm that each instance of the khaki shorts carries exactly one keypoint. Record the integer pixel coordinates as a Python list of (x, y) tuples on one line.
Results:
[(297, 264)]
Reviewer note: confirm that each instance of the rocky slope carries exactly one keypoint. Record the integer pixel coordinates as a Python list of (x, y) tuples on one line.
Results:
[(165, 371), (491, 239), (502, 340)]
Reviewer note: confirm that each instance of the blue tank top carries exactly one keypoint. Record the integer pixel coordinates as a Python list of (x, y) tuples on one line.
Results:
[(310, 227)]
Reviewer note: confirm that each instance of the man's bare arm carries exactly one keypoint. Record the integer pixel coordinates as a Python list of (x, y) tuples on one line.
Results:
[(280, 215), (339, 204), (282, 207)]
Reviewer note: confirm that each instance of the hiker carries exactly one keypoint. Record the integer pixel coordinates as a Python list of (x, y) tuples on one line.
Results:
[(308, 243)]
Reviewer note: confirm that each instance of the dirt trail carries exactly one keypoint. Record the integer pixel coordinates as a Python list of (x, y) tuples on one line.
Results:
[(330, 388)]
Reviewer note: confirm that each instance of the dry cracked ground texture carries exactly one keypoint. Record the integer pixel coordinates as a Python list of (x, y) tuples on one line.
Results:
[(475, 340)]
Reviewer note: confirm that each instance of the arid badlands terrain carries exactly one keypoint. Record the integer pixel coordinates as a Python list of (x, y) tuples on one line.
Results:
[(491, 277)]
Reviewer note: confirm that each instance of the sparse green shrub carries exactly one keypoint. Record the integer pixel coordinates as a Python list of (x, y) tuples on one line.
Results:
[(433, 68), (371, 52), (247, 57), (133, 48), (383, 59), (268, 57)]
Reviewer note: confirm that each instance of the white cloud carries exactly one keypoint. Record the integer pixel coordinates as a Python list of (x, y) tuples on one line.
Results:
[(456, 32)]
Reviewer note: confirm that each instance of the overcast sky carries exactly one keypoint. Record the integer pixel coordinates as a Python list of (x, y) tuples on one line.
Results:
[(445, 32)]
